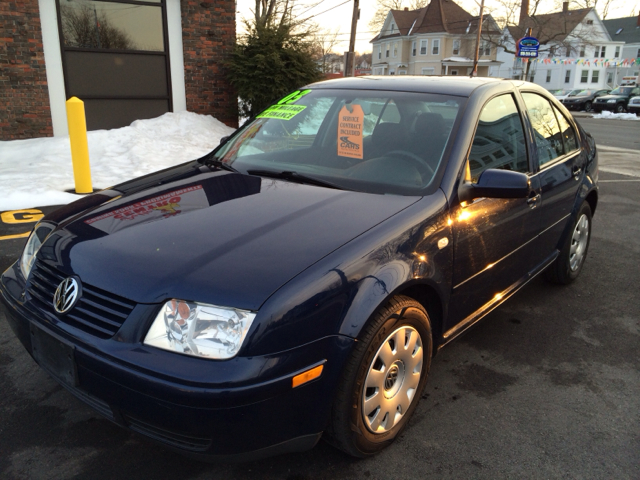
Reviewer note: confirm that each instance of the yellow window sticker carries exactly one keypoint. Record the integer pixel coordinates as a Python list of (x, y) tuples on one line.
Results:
[(350, 127), (282, 112)]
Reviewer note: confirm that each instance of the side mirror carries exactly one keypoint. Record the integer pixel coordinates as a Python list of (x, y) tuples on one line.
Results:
[(494, 183), (223, 140)]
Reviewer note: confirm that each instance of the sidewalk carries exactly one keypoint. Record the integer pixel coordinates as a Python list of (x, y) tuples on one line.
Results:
[(622, 161)]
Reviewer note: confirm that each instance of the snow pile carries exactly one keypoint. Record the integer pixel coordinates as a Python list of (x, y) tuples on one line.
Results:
[(616, 116), (36, 172)]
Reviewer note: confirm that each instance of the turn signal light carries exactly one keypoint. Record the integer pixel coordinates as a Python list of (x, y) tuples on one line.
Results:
[(307, 376)]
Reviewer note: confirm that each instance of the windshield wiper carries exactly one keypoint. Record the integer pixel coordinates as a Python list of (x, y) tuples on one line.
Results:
[(216, 162), (296, 177)]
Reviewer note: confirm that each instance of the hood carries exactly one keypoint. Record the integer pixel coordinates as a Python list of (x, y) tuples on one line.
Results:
[(214, 237), (611, 97)]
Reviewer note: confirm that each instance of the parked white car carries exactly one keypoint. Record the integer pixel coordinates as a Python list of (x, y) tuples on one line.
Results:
[(562, 94)]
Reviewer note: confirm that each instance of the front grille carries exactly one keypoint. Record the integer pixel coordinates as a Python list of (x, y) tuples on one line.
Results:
[(185, 442), (97, 312)]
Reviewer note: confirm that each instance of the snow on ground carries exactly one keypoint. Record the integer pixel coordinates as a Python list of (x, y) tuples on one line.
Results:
[(36, 172), (616, 116)]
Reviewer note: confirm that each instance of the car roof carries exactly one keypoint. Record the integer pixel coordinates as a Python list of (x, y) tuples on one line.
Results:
[(461, 86)]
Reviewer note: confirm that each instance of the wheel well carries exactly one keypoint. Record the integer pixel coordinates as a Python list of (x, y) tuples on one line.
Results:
[(592, 200), (428, 297)]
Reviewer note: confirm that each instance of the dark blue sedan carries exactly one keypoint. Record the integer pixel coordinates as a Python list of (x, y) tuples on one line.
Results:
[(296, 282)]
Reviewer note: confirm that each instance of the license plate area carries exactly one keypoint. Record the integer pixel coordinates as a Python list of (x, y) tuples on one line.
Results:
[(54, 356)]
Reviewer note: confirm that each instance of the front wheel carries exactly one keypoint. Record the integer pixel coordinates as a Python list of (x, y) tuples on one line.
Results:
[(568, 265), (620, 108), (587, 106), (383, 380)]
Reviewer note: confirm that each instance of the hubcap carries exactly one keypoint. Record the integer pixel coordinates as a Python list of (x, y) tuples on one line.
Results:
[(392, 379), (579, 242)]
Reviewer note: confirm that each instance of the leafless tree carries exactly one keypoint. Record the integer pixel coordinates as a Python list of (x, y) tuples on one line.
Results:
[(84, 27), (383, 7), (324, 41)]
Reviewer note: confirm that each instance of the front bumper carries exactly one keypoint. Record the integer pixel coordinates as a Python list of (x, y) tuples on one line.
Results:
[(599, 107), (633, 108), (238, 409), (574, 106)]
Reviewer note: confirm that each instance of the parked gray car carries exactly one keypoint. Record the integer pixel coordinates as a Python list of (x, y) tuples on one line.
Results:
[(584, 99)]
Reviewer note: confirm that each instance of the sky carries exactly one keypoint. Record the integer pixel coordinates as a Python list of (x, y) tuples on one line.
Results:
[(340, 17)]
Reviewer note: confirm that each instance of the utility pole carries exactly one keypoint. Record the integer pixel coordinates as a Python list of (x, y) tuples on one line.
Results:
[(526, 72), (349, 57), (475, 60)]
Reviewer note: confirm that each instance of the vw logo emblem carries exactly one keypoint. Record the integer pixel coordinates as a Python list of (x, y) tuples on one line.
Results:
[(392, 376), (66, 295)]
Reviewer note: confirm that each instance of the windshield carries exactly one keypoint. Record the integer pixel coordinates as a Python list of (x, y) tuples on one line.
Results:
[(573, 93), (621, 91), (370, 141), (584, 93)]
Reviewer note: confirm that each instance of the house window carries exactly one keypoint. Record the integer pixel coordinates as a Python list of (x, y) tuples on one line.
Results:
[(454, 72), (600, 51), (638, 53), (423, 47), (392, 71), (456, 47), (395, 49), (402, 72), (435, 49), (413, 49), (485, 48), (393, 27), (610, 78), (617, 54), (582, 47), (387, 51), (548, 76), (584, 76), (589, 22), (595, 76), (428, 71), (567, 76), (379, 52)]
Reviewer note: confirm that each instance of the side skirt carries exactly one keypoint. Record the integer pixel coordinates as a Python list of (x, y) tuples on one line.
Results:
[(495, 302)]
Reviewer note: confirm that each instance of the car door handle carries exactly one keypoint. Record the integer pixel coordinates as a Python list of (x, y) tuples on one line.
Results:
[(576, 172), (532, 201)]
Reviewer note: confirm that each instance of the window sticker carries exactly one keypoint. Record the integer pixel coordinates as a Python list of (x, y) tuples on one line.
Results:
[(293, 97), (282, 112), (350, 126)]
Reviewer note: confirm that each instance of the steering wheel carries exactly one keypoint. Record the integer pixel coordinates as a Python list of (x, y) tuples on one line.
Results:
[(412, 156)]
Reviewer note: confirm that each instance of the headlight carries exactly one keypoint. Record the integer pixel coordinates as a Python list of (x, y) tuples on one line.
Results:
[(34, 243), (611, 101), (200, 330)]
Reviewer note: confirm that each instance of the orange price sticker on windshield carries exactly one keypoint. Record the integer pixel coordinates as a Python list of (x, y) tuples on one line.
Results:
[(350, 126)]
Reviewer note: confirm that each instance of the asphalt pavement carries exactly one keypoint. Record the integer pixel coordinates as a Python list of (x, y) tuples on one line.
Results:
[(546, 386)]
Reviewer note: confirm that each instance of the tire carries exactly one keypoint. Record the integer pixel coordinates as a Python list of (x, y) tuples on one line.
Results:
[(569, 263), (620, 108), (587, 106), (377, 393)]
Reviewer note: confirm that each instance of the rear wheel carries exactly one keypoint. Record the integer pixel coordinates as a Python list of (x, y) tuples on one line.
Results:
[(568, 265), (383, 380)]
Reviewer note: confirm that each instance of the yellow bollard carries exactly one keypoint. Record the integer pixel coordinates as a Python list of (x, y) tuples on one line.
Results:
[(79, 145)]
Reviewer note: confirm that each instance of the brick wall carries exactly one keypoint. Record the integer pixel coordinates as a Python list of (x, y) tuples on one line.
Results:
[(208, 36), (24, 98)]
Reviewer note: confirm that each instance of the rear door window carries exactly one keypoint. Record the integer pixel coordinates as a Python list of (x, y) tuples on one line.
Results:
[(546, 129)]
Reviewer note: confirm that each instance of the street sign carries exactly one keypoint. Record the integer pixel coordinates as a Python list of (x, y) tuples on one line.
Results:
[(528, 47)]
